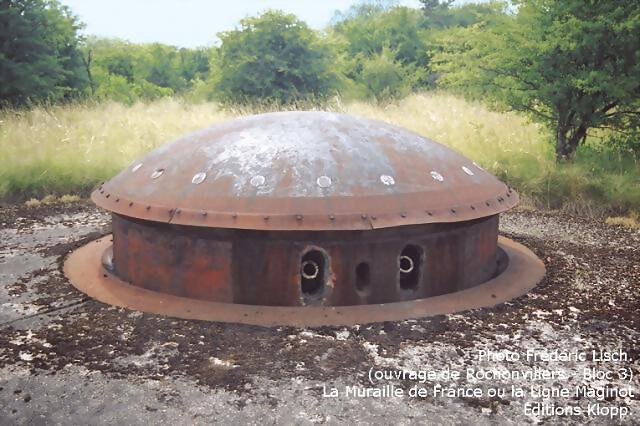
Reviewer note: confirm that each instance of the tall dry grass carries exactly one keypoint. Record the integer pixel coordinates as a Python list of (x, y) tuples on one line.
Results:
[(69, 149), (498, 141), (601, 179)]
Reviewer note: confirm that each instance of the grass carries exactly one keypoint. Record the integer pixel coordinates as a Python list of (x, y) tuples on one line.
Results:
[(632, 221), (69, 149), (52, 199), (521, 153)]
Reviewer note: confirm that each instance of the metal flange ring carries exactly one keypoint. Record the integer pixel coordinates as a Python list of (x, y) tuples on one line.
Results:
[(84, 270), (316, 270), (411, 265)]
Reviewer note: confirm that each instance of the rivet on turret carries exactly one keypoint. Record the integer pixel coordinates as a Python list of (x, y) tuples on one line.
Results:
[(437, 176), (387, 180), (299, 217), (198, 178), (323, 181), (157, 173), (403, 214), (363, 216)]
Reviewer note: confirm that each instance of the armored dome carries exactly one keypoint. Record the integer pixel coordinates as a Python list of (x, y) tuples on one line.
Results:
[(304, 218), (304, 171)]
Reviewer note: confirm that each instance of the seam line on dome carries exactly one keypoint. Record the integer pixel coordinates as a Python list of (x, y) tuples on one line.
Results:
[(172, 215)]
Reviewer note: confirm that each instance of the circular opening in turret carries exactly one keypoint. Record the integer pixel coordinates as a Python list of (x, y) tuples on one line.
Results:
[(312, 273), (409, 265)]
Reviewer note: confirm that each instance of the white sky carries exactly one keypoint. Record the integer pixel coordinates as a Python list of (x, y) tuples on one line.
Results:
[(191, 23)]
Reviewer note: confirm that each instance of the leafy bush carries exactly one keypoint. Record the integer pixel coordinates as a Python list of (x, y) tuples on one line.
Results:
[(114, 87), (126, 72), (383, 77), (149, 91), (386, 44), (273, 57)]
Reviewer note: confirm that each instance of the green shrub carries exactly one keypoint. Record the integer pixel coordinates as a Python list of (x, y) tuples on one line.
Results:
[(273, 57), (114, 87), (383, 77)]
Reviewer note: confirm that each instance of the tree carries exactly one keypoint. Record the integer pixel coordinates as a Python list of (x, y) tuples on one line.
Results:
[(406, 36), (383, 48), (571, 64), (273, 57), (39, 52), (161, 66), (383, 76), (437, 13), (194, 63), (126, 72)]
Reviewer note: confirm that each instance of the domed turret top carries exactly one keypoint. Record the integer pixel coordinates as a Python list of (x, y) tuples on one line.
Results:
[(304, 171)]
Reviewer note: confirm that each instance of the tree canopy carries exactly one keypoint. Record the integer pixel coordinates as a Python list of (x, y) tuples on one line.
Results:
[(273, 56), (125, 72), (40, 58), (572, 64), (383, 49)]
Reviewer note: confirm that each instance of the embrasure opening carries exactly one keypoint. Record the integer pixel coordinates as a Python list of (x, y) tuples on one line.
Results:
[(410, 264), (363, 276), (312, 272)]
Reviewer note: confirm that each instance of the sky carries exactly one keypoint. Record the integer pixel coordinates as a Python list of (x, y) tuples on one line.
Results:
[(192, 23)]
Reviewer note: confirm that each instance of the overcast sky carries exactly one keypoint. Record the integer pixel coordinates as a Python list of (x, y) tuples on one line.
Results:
[(190, 23)]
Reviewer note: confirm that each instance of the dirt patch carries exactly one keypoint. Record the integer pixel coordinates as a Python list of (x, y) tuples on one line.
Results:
[(20, 216)]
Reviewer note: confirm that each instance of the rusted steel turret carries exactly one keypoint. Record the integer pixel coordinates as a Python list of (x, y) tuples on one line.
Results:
[(304, 208)]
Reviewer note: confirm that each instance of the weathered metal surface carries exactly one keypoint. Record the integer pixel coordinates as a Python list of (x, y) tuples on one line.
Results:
[(304, 209), (304, 171), (266, 267), (523, 271)]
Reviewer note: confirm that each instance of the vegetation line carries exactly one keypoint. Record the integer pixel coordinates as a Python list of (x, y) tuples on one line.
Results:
[(71, 148), (544, 93)]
